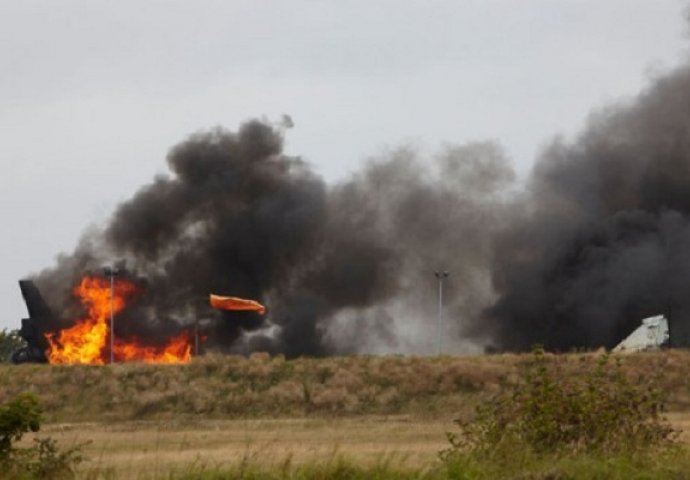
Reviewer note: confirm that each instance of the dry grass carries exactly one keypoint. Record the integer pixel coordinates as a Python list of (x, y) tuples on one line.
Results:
[(223, 387), (154, 449), (151, 449), (145, 421)]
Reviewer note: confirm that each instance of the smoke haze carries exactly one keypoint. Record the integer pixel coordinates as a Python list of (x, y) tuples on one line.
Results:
[(598, 238)]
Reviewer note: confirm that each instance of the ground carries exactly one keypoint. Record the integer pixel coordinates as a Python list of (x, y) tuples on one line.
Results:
[(151, 449), (146, 421)]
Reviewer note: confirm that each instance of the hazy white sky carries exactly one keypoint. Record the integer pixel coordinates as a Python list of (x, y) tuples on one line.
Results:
[(93, 93)]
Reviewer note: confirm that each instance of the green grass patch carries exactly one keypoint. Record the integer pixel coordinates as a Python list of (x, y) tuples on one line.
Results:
[(672, 465)]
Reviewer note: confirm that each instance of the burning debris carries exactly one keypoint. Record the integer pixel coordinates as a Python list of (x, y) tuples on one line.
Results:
[(87, 340)]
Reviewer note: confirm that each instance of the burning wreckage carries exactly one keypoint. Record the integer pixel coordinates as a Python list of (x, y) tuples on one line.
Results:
[(593, 240), (85, 341)]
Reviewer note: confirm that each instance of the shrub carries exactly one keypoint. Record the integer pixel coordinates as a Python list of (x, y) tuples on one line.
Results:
[(600, 411), (44, 459), (9, 342), (17, 417)]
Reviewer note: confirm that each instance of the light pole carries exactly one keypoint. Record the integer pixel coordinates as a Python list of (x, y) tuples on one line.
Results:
[(440, 276), (112, 273), (196, 337)]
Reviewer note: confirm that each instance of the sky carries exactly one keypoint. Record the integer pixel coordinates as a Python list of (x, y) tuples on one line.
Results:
[(93, 93)]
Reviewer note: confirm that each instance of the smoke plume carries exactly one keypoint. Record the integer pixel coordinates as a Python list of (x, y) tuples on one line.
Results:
[(598, 238), (344, 268), (601, 239)]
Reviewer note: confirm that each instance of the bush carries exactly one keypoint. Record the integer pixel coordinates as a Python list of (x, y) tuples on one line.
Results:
[(17, 417), (599, 412), (9, 342), (44, 459)]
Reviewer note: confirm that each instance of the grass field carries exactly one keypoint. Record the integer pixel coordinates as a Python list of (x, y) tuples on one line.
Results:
[(218, 413), (222, 387), (153, 449)]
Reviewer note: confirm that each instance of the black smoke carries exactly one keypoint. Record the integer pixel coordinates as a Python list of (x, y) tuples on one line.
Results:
[(236, 216), (597, 238), (602, 237)]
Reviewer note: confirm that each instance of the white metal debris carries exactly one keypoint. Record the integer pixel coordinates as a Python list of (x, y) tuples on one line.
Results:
[(651, 335)]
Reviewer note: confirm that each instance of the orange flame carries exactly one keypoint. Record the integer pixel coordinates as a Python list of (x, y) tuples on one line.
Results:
[(86, 341), (178, 350)]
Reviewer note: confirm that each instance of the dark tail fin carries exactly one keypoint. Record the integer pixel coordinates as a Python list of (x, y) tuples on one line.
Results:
[(34, 328), (34, 300)]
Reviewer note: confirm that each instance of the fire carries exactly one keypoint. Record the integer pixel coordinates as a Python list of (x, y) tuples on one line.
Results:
[(87, 341), (178, 350)]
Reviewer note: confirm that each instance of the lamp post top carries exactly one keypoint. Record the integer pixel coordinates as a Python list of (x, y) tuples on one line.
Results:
[(111, 271)]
